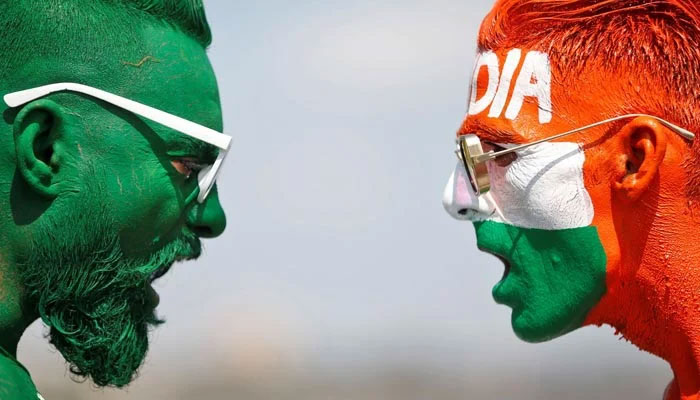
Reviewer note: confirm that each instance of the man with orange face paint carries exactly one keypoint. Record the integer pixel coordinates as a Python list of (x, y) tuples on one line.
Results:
[(579, 167)]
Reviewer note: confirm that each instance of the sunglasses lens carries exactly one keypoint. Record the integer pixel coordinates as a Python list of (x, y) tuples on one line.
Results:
[(470, 147), (468, 166)]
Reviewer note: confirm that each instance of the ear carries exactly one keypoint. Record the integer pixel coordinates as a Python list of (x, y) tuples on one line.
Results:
[(642, 144), (37, 133)]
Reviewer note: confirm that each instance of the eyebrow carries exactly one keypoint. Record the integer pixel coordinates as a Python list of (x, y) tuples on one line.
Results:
[(494, 134), (203, 151)]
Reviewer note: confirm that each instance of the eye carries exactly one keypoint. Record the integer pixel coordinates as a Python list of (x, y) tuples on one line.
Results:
[(502, 161), (187, 166)]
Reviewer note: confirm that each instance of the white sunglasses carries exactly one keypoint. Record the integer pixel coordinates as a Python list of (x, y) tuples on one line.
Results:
[(207, 175)]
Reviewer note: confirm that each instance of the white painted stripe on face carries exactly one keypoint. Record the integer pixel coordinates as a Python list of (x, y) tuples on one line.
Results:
[(542, 189)]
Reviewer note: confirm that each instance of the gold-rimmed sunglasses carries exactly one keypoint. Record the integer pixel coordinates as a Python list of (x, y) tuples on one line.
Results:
[(471, 152)]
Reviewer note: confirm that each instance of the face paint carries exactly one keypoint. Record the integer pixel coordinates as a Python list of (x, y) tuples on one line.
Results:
[(534, 80), (537, 217), (490, 61), (543, 188), (499, 101), (552, 278), (97, 302), (86, 258)]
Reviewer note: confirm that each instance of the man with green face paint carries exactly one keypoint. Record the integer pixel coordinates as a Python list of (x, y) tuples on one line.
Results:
[(108, 177)]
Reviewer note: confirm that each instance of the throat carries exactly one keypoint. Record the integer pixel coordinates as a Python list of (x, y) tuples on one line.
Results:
[(15, 314), (665, 331)]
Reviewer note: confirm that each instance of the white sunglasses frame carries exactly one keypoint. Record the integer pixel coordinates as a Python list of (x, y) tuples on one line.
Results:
[(206, 177)]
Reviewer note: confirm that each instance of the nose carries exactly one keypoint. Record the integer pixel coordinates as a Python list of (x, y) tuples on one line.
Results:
[(461, 202), (207, 219)]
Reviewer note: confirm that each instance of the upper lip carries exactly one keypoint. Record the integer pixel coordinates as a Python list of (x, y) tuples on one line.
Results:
[(489, 251)]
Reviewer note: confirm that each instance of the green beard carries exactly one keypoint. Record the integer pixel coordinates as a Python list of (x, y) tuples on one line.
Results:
[(96, 302)]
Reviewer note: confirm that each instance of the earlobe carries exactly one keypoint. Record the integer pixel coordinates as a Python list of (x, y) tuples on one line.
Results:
[(37, 128), (643, 146)]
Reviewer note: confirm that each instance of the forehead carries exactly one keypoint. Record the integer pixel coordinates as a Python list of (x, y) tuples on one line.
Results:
[(518, 95), (172, 72)]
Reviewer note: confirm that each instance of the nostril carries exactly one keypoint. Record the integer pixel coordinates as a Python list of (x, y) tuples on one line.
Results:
[(463, 211)]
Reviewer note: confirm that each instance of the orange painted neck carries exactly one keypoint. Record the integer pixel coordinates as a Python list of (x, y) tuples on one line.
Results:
[(653, 298)]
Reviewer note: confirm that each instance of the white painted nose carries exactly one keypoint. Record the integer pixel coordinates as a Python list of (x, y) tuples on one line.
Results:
[(461, 202)]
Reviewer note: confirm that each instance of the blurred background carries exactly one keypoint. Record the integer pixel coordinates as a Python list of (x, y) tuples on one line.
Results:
[(340, 276)]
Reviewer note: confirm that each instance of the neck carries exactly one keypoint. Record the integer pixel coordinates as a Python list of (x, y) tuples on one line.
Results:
[(661, 318), (14, 319)]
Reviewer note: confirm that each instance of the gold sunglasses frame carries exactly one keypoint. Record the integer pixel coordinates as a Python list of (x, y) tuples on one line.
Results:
[(471, 152)]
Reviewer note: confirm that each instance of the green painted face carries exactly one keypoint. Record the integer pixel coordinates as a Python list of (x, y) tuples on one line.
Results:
[(150, 198), (553, 277), (102, 202)]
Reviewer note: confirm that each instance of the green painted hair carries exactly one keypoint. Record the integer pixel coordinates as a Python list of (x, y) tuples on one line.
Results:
[(57, 38), (188, 15)]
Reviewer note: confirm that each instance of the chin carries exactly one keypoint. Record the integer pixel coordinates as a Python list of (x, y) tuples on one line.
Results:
[(533, 328)]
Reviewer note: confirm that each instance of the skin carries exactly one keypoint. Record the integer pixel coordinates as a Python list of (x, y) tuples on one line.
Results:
[(635, 174), (65, 145), (553, 277)]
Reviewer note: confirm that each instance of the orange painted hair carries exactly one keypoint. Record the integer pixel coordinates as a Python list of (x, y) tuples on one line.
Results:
[(656, 43)]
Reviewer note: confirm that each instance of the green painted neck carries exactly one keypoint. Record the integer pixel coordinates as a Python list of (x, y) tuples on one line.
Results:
[(15, 314)]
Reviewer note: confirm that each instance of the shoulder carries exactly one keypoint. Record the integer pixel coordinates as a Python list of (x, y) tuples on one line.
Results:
[(15, 382)]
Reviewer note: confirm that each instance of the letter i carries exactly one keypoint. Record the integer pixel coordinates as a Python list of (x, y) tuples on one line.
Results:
[(509, 68)]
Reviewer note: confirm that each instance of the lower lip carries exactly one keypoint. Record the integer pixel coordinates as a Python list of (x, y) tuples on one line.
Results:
[(155, 299), (506, 265), (499, 290)]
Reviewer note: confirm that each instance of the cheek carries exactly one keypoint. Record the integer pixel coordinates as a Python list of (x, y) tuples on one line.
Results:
[(146, 203), (543, 189), (598, 178)]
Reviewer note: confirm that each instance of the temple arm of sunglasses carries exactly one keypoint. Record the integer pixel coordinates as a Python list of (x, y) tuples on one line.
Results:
[(197, 131), (686, 134), (208, 176)]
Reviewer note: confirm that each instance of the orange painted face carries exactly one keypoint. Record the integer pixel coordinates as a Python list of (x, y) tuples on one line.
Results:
[(617, 190)]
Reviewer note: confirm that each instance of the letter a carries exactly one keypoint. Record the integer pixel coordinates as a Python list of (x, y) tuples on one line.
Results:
[(535, 80)]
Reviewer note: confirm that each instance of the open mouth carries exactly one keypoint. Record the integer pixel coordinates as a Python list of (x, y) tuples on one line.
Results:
[(164, 269), (506, 264), (504, 260), (159, 273)]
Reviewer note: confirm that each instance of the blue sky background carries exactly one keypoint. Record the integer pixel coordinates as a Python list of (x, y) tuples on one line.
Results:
[(339, 264)]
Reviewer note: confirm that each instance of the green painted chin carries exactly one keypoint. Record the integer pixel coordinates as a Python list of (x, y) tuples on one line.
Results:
[(555, 277)]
